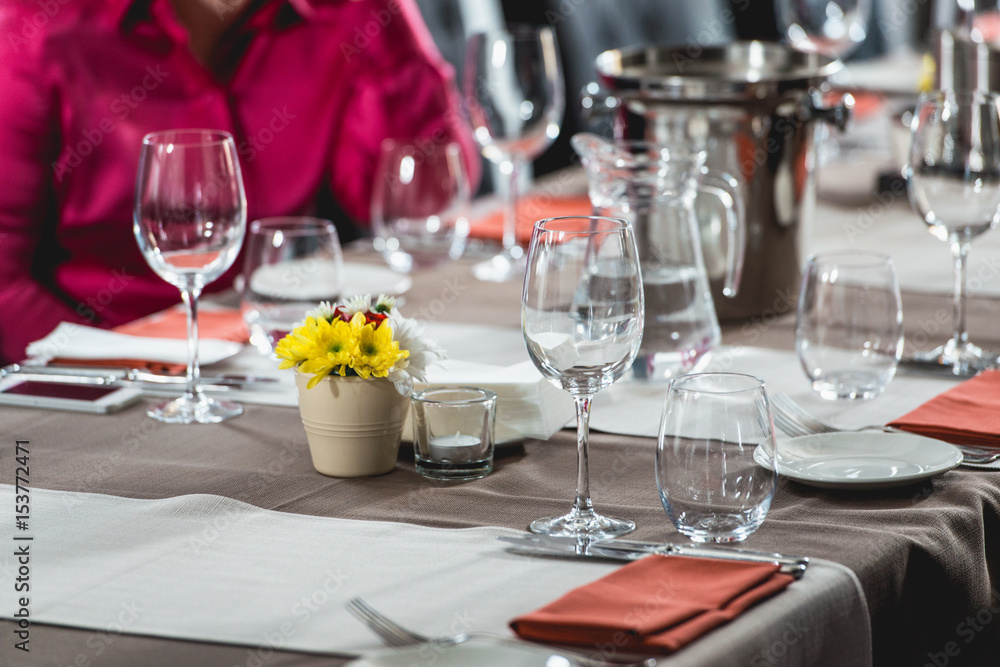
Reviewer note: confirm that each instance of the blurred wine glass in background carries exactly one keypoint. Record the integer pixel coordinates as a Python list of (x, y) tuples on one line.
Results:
[(514, 91), (420, 205), (833, 28)]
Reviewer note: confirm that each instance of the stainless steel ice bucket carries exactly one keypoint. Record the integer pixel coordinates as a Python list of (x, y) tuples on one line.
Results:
[(755, 107)]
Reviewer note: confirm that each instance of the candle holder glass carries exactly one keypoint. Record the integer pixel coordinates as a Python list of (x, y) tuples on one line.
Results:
[(453, 432)]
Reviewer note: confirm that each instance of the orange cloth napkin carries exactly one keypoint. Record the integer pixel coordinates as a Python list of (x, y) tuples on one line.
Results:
[(654, 605), (224, 324), (968, 413), (530, 209)]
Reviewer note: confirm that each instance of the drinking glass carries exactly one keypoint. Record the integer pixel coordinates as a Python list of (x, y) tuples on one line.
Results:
[(710, 484), (849, 324), (513, 87), (420, 203), (953, 180), (582, 315), (290, 264), (829, 27), (189, 222)]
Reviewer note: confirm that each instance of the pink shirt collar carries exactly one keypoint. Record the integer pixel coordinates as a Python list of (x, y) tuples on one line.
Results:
[(310, 10)]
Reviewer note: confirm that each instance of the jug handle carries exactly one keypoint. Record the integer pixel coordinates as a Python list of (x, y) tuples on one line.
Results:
[(726, 189)]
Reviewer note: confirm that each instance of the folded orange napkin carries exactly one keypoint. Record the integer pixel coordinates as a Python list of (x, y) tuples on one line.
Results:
[(654, 605), (968, 413), (530, 209), (223, 324)]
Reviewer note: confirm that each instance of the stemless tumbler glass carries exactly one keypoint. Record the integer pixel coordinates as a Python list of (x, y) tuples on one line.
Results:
[(849, 325), (290, 264), (711, 484)]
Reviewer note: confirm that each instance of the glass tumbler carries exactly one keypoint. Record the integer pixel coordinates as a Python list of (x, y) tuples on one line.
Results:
[(715, 456), (453, 432), (849, 325), (290, 265)]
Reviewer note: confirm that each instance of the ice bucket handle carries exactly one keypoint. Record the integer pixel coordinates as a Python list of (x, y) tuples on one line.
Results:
[(725, 188), (837, 114)]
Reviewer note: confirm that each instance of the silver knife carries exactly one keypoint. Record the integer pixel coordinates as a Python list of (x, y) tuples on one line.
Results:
[(132, 374), (630, 550)]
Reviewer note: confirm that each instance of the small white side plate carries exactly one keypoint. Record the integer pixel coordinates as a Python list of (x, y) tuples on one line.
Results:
[(866, 460), (372, 279), (473, 652)]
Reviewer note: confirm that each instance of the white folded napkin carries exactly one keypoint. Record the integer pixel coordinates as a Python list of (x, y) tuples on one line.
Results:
[(75, 341)]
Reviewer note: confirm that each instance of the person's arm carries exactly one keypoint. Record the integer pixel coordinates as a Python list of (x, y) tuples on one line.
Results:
[(28, 144), (404, 90)]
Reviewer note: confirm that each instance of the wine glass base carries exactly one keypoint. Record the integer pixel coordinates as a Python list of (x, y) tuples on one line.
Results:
[(506, 266), (960, 360), (195, 409), (588, 525)]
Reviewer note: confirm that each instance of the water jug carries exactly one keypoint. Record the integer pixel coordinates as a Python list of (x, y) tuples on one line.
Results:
[(654, 187)]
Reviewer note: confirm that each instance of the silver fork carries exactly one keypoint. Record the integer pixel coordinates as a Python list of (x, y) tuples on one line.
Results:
[(393, 634), (796, 421)]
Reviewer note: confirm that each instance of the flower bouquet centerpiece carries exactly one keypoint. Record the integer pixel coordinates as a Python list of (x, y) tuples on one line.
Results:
[(355, 367)]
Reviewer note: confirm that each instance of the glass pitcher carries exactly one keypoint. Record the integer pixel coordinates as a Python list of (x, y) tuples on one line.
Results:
[(654, 186)]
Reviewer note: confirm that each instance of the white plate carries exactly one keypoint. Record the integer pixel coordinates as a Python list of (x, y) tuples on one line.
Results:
[(474, 652), (372, 279), (866, 460)]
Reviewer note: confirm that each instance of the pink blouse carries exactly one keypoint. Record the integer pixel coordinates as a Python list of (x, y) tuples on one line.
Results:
[(318, 85)]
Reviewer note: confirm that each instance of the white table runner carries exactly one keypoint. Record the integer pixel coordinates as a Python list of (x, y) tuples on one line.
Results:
[(211, 568)]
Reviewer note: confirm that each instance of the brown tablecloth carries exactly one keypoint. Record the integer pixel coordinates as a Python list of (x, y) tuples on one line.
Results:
[(925, 555)]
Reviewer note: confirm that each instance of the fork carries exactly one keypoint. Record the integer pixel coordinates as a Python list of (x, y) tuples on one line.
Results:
[(796, 421), (395, 635)]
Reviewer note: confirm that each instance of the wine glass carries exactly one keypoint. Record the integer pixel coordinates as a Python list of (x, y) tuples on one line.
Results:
[(420, 205), (189, 220), (582, 315), (953, 180), (715, 456), (513, 87), (289, 265), (829, 27)]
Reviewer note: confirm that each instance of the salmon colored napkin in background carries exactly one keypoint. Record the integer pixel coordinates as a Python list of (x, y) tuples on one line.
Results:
[(224, 324), (968, 413), (530, 209), (654, 605)]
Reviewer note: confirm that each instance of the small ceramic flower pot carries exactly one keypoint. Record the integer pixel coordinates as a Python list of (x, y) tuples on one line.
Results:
[(353, 425)]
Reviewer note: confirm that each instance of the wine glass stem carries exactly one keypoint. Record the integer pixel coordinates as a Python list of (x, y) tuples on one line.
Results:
[(511, 169), (960, 251), (190, 297), (583, 504)]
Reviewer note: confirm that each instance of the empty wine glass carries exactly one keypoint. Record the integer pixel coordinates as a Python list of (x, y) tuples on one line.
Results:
[(420, 203), (582, 315), (513, 87), (189, 221), (290, 264), (953, 179), (715, 457), (829, 27)]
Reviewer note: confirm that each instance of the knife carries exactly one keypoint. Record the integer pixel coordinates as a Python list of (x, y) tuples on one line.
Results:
[(553, 545), (132, 375)]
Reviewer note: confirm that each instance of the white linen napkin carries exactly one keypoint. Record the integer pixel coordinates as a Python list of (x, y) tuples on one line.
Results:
[(76, 341)]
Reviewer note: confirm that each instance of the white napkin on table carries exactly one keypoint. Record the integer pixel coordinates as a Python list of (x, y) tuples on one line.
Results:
[(76, 341)]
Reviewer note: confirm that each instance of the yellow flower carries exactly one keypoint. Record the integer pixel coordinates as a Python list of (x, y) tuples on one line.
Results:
[(319, 347), (377, 351)]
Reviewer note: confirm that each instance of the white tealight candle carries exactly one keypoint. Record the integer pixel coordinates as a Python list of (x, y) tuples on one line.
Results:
[(456, 448)]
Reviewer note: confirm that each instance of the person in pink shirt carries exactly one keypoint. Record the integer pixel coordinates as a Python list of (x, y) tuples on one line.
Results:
[(309, 89)]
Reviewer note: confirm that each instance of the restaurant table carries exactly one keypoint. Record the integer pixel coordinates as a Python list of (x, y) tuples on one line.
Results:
[(925, 555)]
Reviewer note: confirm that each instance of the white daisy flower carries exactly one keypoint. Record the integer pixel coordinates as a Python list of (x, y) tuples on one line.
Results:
[(361, 303), (324, 311)]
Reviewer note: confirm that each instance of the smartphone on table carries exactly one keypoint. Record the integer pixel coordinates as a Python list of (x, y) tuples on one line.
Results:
[(76, 396)]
